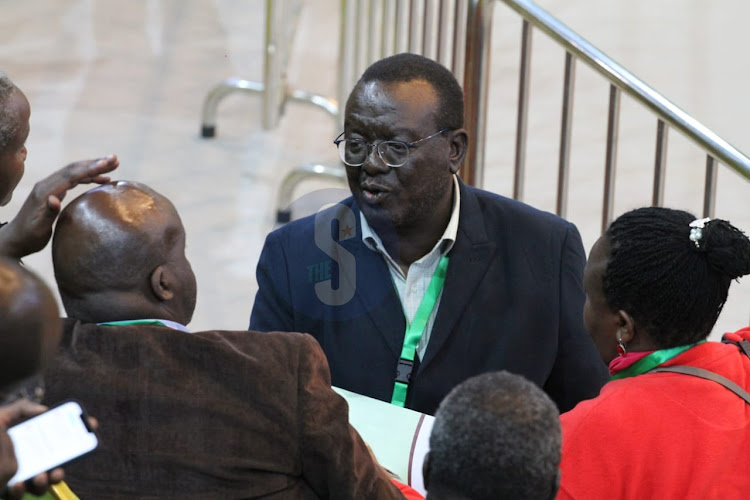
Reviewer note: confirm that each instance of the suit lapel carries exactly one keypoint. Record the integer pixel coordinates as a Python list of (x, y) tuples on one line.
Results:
[(375, 292), (470, 256)]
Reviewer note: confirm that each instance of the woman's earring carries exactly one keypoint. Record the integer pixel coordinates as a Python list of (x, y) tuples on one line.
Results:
[(621, 345)]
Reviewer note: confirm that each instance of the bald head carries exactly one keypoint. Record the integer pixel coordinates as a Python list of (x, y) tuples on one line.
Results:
[(29, 324), (119, 253)]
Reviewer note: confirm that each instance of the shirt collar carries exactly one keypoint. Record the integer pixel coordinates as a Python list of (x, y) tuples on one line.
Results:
[(446, 241)]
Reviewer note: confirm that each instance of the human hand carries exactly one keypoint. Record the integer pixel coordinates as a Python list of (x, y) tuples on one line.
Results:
[(38, 485), (31, 228), (8, 464), (375, 459), (11, 415)]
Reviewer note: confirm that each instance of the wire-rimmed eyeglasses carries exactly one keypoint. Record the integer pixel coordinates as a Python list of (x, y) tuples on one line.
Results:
[(354, 152)]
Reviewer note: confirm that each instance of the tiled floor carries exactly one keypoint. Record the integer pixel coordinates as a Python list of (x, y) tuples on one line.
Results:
[(129, 77)]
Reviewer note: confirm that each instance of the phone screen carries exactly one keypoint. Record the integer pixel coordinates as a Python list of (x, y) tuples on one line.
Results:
[(50, 440)]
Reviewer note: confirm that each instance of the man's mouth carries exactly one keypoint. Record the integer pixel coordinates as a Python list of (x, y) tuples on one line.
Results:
[(373, 193)]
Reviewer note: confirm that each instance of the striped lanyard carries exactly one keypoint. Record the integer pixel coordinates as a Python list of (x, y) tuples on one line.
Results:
[(653, 360)]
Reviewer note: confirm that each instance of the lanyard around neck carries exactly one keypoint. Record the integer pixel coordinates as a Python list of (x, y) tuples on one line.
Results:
[(133, 322), (414, 332), (651, 361)]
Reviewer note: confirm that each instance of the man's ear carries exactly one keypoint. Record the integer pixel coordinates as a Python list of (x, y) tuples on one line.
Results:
[(426, 470), (161, 283), (459, 142)]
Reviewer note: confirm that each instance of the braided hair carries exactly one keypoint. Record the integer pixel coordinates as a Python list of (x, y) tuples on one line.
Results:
[(673, 287)]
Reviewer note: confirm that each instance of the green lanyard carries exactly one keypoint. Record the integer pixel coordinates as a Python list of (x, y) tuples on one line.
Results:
[(133, 322), (414, 333), (652, 361)]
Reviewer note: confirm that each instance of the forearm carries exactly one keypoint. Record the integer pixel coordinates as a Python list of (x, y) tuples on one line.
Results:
[(335, 461)]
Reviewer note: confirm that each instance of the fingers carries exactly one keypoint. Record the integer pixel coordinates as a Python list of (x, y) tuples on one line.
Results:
[(56, 475), (8, 464), (80, 172), (16, 492), (88, 171), (19, 410), (92, 168), (38, 485)]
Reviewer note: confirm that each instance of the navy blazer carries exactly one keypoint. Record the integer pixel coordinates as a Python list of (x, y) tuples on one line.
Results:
[(512, 300)]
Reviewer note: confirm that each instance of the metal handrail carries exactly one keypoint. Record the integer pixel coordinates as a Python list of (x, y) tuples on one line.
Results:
[(281, 17), (621, 80)]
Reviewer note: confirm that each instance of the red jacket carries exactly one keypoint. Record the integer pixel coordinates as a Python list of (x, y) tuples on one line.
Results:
[(663, 435)]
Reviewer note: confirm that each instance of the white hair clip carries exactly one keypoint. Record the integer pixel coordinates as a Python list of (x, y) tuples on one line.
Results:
[(696, 231)]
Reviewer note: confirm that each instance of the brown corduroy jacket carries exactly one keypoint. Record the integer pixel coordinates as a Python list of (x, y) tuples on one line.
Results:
[(215, 414)]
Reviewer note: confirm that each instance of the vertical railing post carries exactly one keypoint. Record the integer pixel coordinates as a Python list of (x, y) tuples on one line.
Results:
[(610, 163), (373, 32), (459, 39), (476, 83), (275, 46), (709, 193), (566, 128), (523, 111), (660, 163), (345, 63)]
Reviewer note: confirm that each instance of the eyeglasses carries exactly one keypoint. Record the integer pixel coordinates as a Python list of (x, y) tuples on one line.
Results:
[(354, 152)]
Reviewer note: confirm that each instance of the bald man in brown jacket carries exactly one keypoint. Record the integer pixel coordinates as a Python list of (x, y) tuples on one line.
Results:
[(213, 414)]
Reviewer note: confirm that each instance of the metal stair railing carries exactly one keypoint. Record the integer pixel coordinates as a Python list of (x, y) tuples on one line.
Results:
[(667, 115), (281, 18)]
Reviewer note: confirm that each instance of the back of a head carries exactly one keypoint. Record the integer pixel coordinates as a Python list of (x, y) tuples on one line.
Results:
[(673, 279), (406, 67), (29, 324), (8, 124), (106, 245), (496, 435)]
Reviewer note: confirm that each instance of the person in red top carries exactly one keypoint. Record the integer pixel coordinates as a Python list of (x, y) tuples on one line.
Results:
[(655, 284)]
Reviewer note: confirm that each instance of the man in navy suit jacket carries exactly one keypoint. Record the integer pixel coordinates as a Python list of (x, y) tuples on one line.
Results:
[(364, 276)]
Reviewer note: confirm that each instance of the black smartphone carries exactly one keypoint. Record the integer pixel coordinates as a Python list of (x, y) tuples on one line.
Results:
[(51, 439)]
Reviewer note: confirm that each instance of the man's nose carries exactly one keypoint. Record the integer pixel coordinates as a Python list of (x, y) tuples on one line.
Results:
[(373, 164)]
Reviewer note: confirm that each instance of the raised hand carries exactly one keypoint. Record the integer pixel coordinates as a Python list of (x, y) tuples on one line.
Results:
[(31, 229)]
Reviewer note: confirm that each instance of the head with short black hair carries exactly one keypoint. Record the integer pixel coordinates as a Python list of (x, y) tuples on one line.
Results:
[(648, 279), (119, 254), (8, 123), (30, 325), (407, 67), (496, 435)]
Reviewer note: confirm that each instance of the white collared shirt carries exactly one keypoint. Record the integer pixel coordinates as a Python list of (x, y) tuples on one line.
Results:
[(413, 286)]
